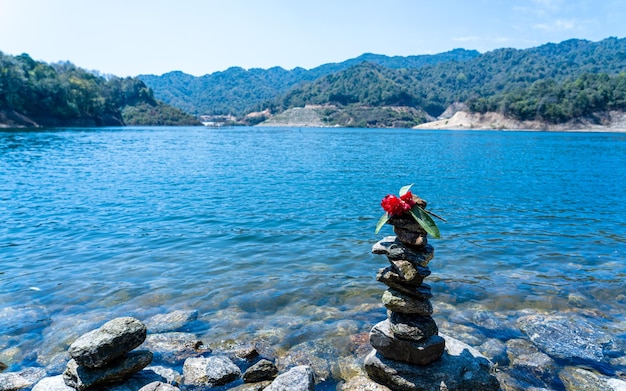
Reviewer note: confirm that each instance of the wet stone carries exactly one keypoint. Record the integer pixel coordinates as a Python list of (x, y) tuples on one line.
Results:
[(54, 383), (411, 238), (262, 370), (421, 352), (460, 368), (209, 371), (158, 386), (407, 222), (174, 347), (397, 301), (412, 327), (579, 379), (396, 250), (10, 381), (252, 386), (392, 279), (363, 383), (112, 340), (82, 378), (524, 357), (298, 378), (566, 337), (172, 321)]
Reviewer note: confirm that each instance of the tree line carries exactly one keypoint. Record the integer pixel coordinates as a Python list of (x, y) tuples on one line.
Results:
[(62, 94), (553, 82)]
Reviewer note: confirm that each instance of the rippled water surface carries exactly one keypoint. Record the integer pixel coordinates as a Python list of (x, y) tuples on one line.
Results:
[(267, 231)]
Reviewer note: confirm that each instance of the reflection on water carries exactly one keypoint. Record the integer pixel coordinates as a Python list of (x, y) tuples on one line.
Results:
[(267, 232)]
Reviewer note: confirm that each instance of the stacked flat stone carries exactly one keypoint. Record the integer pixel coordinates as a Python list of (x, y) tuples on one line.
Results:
[(409, 334), (105, 356)]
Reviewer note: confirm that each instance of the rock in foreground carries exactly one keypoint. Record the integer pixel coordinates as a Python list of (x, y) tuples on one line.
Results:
[(111, 341), (460, 368)]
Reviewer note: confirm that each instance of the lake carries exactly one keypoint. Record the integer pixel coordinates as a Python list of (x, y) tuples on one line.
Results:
[(267, 232)]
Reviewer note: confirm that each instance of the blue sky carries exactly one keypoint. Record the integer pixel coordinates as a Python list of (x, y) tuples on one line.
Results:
[(131, 37)]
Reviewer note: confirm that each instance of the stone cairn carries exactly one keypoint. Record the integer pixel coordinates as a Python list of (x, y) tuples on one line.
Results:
[(409, 334), (105, 356)]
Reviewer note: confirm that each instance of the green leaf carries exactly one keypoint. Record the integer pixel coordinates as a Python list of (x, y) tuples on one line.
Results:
[(384, 218), (404, 189), (425, 221)]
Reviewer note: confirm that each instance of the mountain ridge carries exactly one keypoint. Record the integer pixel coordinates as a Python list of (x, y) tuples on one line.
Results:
[(238, 91)]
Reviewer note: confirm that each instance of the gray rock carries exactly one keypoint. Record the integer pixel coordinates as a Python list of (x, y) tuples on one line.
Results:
[(172, 321), (298, 378), (392, 279), (11, 381), (363, 383), (81, 377), (252, 386), (167, 374), (158, 386), (412, 327), (137, 381), (209, 371), (54, 383), (578, 379), (310, 354), (537, 367), (460, 368), (107, 343), (494, 350), (421, 352), (262, 370), (175, 347), (566, 337), (397, 301), (396, 250)]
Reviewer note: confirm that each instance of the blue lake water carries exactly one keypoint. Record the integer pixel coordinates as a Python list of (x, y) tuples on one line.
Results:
[(267, 231)]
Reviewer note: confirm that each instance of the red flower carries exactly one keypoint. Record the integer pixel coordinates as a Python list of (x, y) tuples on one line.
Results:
[(394, 205), (408, 198)]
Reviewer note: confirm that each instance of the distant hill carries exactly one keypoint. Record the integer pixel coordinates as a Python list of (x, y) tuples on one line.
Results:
[(238, 91), (34, 94), (553, 83)]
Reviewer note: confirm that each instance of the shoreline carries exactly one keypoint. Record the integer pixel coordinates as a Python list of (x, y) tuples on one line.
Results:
[(613, 122)]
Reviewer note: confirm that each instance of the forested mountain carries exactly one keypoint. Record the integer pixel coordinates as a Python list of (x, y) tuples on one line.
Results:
[(237, 91), (33, 93), (553, 82)]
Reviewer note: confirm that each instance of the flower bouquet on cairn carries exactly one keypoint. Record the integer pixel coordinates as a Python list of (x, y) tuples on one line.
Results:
[(409, 334)]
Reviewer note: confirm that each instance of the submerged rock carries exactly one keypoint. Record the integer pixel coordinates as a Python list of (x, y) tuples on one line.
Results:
[(111, 341), (529, 364), (172, 321), (566, 337), (174, 347), (578, 379), (11, 381)]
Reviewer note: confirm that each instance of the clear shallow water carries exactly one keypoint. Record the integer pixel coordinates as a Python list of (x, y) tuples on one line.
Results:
[(267, 232)]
